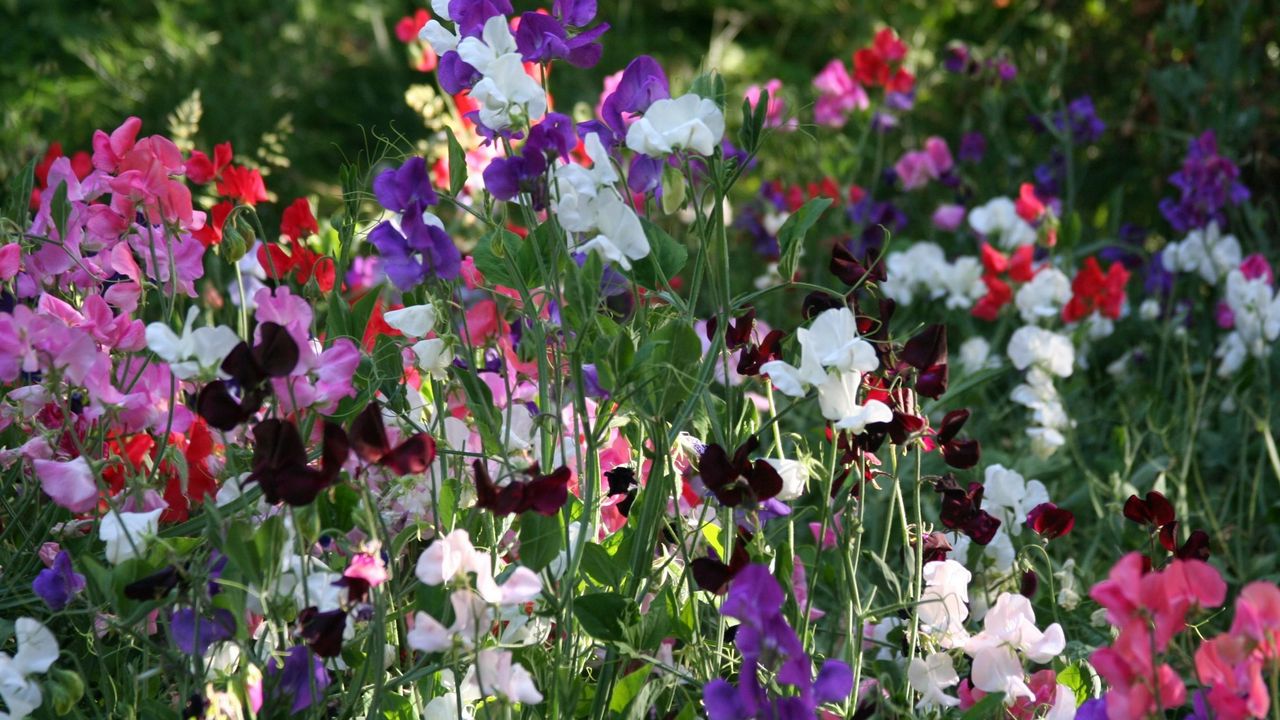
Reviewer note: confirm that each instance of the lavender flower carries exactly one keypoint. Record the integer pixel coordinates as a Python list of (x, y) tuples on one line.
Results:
[(415, 245), (58, 584), (1207, 182)]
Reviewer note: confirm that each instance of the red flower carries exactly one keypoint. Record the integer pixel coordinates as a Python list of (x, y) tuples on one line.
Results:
[(880, 64), (1092, 290), (211, 233), (376, 327), (299, 260), (200, 169), (243, 184), (409, 26), (1050, 521), (998, 295), (199, 484), (1028, 206), (298, 222)]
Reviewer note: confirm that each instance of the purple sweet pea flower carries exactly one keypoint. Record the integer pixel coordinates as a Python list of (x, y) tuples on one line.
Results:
[(415, 245), (471, 15), (507, 177), (642, 83), (958, 59), (764, 637), (59, 583), (973, 147), (554, 136), (194, 634), (1095, 709), (1207, 183), (1126, 251), (574, 13), (541, 38), (455, 74), (1081, 120), (302, 673)]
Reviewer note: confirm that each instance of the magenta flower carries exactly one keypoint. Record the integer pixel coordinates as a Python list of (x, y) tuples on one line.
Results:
[(840, 95)]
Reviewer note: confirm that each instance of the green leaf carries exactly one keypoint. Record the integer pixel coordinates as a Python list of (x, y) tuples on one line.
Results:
[(631, 687), (602, 567), (710, 86), (673, 189), (336, 508), (491, 257), (61, 211), (603, 616), (19, 190), (541, 539), (457, 164), (791, 235), (667, 257)]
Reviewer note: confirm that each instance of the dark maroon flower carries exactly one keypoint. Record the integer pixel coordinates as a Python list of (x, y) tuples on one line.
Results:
[(154, 586), (323, 630), (1030, 583), (816, 303), (757, 354), (959, 453), (737, 480), (962, 510), (1195, 548), (713, 575), (622, 481), (927, 353), (543, 494), (1156, 510), (936, 547), (280, 462), (275, 355), (852, 270), (1050, 521), (369, 440)]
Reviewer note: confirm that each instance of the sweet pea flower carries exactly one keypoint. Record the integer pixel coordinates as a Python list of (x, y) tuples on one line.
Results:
[(838, 399), (70, 484), (931, 677), (944, 603), (127, 534), (196, 351), (1009, 628), (58, 584), (37, 651), (415, 321), (685, 123), (494, 674)]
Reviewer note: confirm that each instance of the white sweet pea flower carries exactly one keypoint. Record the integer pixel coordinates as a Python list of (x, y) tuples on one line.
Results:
[(127, 534), (944, 602), (1009, 497), (440, 8), (196, 351), (999, 222), (838, 399), (450, 558), (835, 340), (495, 41), (587, 203), (414, 321), (931, 677), (1010, 628), (495, 675), (688, 122), (1044, 296), (507, 95), (794, 474), (471, 616), (37, 651), (621, 237), (434, 357), (1064, 704), (1205, 251), (975, 355), (440, 38), (1031, 345)]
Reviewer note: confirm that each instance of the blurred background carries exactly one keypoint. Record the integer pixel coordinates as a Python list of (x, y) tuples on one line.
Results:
[(300, 85)]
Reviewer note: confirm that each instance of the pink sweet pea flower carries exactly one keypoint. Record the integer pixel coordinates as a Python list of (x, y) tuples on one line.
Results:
[(948, 217), (70, 484), (10, 261)]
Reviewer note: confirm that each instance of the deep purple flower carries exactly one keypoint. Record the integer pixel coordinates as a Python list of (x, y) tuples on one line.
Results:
[(471, 15), (644, 176), (416, 245), (765, 639), (641, 84), (1081, 120), (1096, 709), (455, 74), (957, 59), (507, 177), (1207, 183), (1159, 281), (58, 584), (1049, 176), (973, 147), (574, 13), (193, 634), (303, 673), (554, 136), (541, 38), (1126, 251)]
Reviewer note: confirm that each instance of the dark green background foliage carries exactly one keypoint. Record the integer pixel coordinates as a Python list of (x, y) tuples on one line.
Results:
[(1157, 71)]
